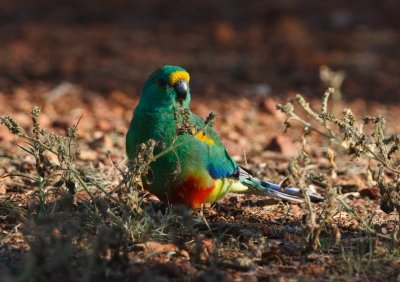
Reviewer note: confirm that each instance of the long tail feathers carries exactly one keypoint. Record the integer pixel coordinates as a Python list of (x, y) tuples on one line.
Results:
[(260, 187)]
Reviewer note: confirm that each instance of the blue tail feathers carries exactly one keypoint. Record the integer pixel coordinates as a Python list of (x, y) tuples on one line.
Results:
[(264, 188), (290, 191)]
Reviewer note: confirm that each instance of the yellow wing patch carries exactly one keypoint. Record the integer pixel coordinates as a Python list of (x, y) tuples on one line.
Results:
[(204, 138), (178, 75)]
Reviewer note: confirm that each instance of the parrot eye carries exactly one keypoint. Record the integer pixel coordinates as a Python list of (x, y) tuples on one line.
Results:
[(163, 83)]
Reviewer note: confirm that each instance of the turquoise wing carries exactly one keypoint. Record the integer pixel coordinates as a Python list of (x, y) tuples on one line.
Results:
[(219, 162)]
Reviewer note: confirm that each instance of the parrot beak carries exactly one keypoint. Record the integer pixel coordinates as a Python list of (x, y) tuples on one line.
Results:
[(181, 88)]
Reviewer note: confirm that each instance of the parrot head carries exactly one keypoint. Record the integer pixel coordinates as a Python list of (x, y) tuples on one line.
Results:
[(167, 87)]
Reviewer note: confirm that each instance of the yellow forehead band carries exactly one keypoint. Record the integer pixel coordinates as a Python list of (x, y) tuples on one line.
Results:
[(178, 75)]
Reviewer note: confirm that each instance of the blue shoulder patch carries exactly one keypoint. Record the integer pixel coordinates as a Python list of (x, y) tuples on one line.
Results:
[(221, 171)]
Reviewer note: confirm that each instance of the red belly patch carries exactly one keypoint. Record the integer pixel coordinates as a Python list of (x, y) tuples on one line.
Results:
[(191, 192)]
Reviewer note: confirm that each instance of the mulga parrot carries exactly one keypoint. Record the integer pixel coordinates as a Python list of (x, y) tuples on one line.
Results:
[(200, 169)]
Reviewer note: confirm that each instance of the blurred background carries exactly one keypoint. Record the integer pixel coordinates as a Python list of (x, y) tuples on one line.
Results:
[(228, 46), (91, 57)]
